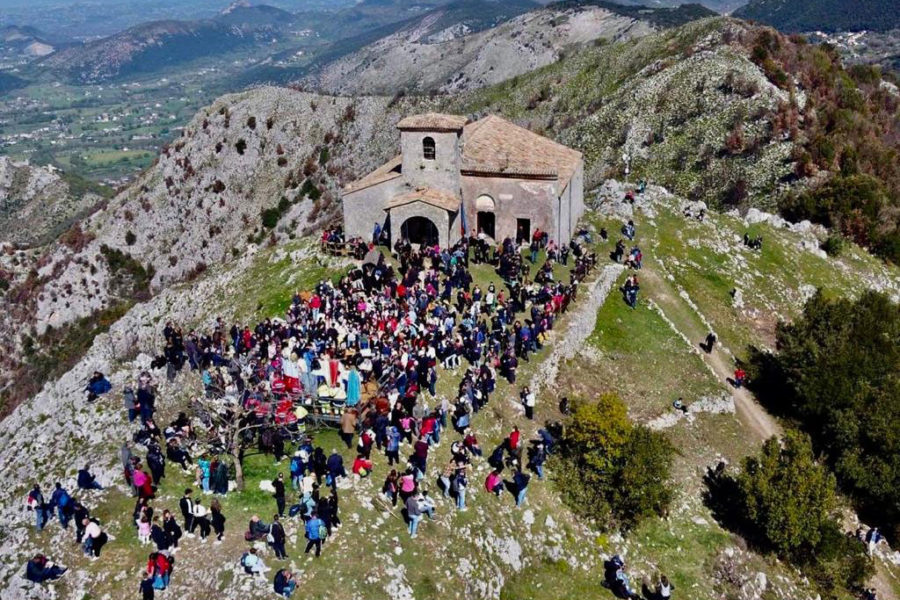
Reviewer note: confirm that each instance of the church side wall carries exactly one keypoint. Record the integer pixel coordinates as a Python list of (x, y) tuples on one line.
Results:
[(513, 199)]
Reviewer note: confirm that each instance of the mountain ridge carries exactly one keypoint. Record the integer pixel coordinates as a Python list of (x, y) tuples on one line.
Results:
[(799, 16)]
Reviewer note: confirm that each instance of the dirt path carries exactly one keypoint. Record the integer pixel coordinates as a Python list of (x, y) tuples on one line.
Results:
[(688, 322)]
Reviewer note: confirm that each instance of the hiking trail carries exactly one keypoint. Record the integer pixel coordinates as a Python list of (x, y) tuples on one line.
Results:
[(691, 324)]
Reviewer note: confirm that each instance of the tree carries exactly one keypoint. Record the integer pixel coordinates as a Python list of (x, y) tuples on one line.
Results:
[(611, 471), (236, 425), (787, 496), (836, 373), (640, 491)]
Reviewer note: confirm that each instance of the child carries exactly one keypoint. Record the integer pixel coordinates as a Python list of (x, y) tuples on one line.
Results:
[(147, 591), (144, 530)]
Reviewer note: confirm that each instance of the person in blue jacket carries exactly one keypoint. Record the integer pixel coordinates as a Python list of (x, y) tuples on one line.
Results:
[(39, 569), (86, 481), (314, 534)]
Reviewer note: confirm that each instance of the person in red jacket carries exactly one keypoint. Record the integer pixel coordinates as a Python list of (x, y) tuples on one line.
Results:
[(362, 466), (739, 376), (513, 440)]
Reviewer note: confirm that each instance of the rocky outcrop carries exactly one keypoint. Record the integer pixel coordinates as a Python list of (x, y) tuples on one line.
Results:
[(418, 58), (36, 203)]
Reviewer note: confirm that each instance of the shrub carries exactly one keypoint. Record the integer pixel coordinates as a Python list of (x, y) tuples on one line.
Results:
[(130, 238), (611, 471), (270, 217), (241, 146), (787, 497), (833, 245), (251, 122)]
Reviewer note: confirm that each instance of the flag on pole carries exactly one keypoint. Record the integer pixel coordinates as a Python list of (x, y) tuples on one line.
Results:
[(463, 226)]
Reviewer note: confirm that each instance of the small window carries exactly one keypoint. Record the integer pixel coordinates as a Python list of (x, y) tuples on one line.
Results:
[(428, 151)]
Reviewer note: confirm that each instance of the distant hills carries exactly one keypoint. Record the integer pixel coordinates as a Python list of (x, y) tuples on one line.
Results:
[(152, 46), (28, 41), (10, 82), (823, 15), (475, 43)]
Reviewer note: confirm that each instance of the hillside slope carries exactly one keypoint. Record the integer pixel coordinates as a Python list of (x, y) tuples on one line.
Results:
[(152, 46), (201, 203), (427, 55), (493, 550), (42, 200), (823, 15)]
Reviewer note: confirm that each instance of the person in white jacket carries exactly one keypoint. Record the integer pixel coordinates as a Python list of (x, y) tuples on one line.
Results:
[(201, 519), (94, 538)]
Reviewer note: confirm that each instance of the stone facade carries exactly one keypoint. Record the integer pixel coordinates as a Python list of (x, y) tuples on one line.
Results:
[(506, 179)]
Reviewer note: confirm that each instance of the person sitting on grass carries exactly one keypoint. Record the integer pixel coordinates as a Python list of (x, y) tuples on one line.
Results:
[(284, 583), (40, 569)]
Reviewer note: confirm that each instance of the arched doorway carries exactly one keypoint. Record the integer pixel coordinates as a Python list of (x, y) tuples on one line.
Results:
[(486, 221), (487, 224), (420, 230)]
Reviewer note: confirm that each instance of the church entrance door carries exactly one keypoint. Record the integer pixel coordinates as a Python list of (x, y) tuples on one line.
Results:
[(420, 230), (486, 223)]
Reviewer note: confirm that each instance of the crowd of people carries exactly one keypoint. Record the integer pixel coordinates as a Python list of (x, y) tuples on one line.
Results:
[(367, 349)]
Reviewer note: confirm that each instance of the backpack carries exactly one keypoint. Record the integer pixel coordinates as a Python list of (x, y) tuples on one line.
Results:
[(323, 531), (269, 537), (31, 502)]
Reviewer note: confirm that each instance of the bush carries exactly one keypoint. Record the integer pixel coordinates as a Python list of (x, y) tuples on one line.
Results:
[(130, 238), (270, 217), (241, 146), (833, 245), (787, 497), (612, 472)]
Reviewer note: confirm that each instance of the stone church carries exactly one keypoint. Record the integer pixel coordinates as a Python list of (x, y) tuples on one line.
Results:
[(487, 176)]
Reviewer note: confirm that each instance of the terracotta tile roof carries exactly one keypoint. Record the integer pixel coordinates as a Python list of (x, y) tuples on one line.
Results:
[(494, 145), (433, 122), (431, 196), (383, 173)]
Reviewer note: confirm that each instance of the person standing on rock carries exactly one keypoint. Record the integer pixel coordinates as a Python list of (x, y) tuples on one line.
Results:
[(201, 519), (79, 515), (279, 495), (414, 514), (314, 534), (520, 481), (36, 503), (62, 501), (217, 518), (186, 504), (528, 401), (276, 538), (156, 462), (172, 530)]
